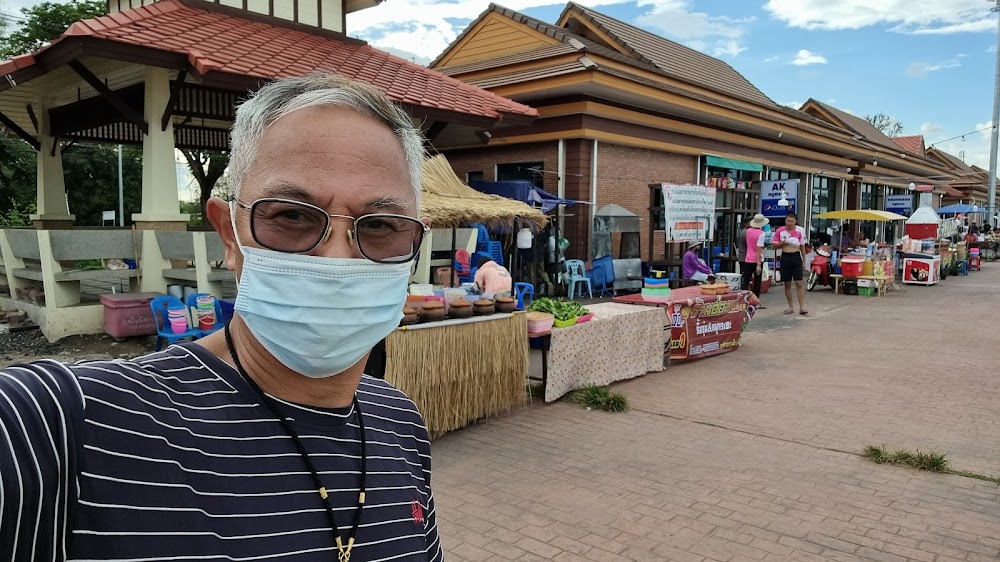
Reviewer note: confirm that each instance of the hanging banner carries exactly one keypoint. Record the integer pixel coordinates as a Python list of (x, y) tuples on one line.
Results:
[(899, 204), (771, 193), (688, 212)]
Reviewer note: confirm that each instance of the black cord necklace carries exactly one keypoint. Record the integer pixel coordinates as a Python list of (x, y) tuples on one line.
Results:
[(343, 548)]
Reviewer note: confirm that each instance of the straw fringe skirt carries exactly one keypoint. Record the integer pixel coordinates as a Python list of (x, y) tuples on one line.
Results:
[(459, 373)]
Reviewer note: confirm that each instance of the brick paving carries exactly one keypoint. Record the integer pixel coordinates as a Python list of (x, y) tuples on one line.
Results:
[(754, 455)]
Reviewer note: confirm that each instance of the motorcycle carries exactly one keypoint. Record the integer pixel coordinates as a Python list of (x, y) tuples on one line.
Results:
[(821, 268)]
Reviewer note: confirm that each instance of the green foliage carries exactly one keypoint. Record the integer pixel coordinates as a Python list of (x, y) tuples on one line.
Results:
[(45, 22), (889, 126), (932, 462), (17, 216), (599, 398), (91, 175), (561, 309)]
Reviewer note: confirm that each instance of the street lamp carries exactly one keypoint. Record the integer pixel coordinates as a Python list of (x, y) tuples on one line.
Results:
[(913, 186)]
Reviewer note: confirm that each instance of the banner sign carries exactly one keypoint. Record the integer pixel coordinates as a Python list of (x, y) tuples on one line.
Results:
[(770, 194), (689, 212), (702, 329), (899, 204)]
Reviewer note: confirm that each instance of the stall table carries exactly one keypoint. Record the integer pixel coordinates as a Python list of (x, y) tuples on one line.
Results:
[(458, 371), (882, 282), (702, 325), (621, 342)]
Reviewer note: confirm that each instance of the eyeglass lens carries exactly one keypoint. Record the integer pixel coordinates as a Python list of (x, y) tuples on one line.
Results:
[(288, 226)]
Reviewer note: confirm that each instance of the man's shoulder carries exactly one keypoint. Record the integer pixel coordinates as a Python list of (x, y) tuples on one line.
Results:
[(390, 406)]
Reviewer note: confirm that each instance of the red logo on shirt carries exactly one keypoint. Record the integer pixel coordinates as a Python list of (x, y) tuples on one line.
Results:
[(418, 512)]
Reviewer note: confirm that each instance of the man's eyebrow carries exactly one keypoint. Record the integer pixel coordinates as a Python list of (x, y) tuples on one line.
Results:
[(387, 203), (285, 190)]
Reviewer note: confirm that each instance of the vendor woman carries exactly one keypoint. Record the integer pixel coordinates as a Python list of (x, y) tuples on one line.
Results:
[(694, 268), (791, 239)]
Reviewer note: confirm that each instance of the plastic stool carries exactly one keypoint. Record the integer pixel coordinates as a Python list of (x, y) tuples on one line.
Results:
[(975, 263), (963, 267)]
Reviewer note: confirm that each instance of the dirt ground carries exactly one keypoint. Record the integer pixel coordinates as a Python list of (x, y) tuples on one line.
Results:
[(26, 346)]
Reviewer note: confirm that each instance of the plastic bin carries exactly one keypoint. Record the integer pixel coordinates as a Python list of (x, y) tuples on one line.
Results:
[(128, 314), (866, 291), (852, 266), (228, 309)]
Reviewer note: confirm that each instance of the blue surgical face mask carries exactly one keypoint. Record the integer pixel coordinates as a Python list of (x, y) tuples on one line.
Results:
[(319, 316)]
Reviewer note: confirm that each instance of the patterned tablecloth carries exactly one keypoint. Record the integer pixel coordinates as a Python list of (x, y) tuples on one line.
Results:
[(622, 341)]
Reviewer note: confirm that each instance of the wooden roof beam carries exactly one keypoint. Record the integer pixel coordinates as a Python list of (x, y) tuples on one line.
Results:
[(126, 111), (17, 130), (175, 96)]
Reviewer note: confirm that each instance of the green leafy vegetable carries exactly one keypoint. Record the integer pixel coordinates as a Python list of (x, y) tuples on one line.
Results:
[(561, 309)]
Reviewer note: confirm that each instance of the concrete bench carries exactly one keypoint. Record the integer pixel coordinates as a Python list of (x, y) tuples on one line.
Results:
[(201, 250)]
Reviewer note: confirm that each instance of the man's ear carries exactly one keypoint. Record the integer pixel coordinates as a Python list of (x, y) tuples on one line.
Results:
[(219, 215)]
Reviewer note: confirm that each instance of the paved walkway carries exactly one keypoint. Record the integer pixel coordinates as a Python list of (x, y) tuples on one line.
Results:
[(754, 455)]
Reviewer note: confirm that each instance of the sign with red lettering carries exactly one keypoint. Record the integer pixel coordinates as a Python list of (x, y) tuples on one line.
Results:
[(702, 327), (688, 212)]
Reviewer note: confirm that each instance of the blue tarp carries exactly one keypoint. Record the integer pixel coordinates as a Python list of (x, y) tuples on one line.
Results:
[(521, 191)]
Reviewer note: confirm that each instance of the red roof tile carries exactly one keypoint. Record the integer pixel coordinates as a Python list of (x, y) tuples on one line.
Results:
[(222, 42), (913, 144)]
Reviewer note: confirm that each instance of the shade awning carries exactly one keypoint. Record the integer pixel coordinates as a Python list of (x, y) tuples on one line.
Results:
[(861, 215), (522, 191), (960, 209), (449, 203), (733, 164)]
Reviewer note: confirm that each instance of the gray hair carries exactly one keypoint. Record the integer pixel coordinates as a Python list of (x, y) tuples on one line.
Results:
[(281, 97)]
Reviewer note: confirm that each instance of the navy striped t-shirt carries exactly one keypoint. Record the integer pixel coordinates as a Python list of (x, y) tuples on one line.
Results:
[(172, 457)]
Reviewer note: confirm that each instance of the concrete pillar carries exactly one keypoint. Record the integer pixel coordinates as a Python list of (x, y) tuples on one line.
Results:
[(53, 210), (160, 203)]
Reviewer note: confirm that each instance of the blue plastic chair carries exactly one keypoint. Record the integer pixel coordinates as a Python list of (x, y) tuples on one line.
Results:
[(192, 304), (575, 274), (496, 252), (163, 331), (963, 267), (482, 237), (522, 290)]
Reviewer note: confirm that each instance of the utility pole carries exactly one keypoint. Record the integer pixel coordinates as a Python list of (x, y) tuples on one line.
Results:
[(121, 188), (992, 193)]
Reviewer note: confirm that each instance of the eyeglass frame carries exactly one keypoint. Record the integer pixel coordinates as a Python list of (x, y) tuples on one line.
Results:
[(328, 228)]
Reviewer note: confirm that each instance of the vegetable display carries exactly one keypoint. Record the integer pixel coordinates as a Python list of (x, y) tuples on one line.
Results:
[(561, 309)]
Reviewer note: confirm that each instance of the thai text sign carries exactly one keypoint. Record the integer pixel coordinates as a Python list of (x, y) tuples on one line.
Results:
[(689, 212), (899, 204), (702, 329), (771, 193)]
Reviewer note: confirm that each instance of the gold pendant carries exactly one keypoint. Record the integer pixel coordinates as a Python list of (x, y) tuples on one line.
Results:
[(344, 554)]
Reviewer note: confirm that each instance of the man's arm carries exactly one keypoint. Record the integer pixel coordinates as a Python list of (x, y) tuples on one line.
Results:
[(41, 409)]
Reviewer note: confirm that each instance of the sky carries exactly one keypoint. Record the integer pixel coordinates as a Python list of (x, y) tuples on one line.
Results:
[(929, 64)]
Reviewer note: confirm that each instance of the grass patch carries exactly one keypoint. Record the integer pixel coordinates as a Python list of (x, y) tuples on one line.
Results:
[(930, 461), (595, 397)]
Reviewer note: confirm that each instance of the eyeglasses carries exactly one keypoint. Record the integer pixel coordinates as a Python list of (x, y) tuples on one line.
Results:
[(296, 228)]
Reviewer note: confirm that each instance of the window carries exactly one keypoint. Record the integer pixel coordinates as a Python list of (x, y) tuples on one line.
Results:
[(869, 201), (522, 171), (824, 199), (473, 176), (778, 175)]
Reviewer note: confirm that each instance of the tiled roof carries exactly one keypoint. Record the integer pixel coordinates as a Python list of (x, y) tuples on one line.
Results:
[(673, 58), (859, 125), (913, 144), (223, 41), (953, 162)]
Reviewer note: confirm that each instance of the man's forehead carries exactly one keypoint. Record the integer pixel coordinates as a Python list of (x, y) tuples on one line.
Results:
[(370, 202)]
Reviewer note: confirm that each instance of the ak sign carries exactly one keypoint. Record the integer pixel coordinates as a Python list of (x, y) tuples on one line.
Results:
[(899, 204), (770, 195), (688, 212)]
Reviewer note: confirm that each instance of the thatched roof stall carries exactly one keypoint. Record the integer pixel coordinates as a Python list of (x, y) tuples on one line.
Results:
[(449, 203)]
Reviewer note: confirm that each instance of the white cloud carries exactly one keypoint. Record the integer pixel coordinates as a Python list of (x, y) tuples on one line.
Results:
[(927, 128), (905, 16), (772, 59), (719, 36), (793, 104), (422, 29), (991, 49), (920, 69), (805, 57)]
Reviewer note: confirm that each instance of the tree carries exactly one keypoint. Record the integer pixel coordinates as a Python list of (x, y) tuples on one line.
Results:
[(46, 21), (887, 125), (91, 172), (207, 168)]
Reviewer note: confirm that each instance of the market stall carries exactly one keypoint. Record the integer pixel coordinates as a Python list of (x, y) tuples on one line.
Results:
[(460, 354), (867, 270), (458, 371), (620, 342), (923, 252), (701, 325)]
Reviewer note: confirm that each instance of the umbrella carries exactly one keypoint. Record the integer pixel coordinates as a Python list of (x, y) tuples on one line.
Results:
[(960, 209), (861, 215)]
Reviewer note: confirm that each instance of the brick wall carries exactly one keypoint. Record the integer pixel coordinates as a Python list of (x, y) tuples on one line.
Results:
[(623, 177), (484, 160)]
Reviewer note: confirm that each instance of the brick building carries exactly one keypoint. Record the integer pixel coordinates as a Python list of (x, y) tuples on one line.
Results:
[(621, 108)]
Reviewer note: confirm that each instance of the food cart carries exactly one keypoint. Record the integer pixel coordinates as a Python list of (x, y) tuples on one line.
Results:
[(876, 267), (921, 252)]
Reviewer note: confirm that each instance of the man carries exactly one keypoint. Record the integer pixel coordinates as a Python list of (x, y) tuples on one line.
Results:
[(791, 238), (263, 441), (493, 278), (753, 263)]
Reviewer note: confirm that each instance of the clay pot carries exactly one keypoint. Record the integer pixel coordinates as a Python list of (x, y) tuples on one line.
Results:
[(432, 311), (410, 316), (460, 308), (483, 307), (506, 304)]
